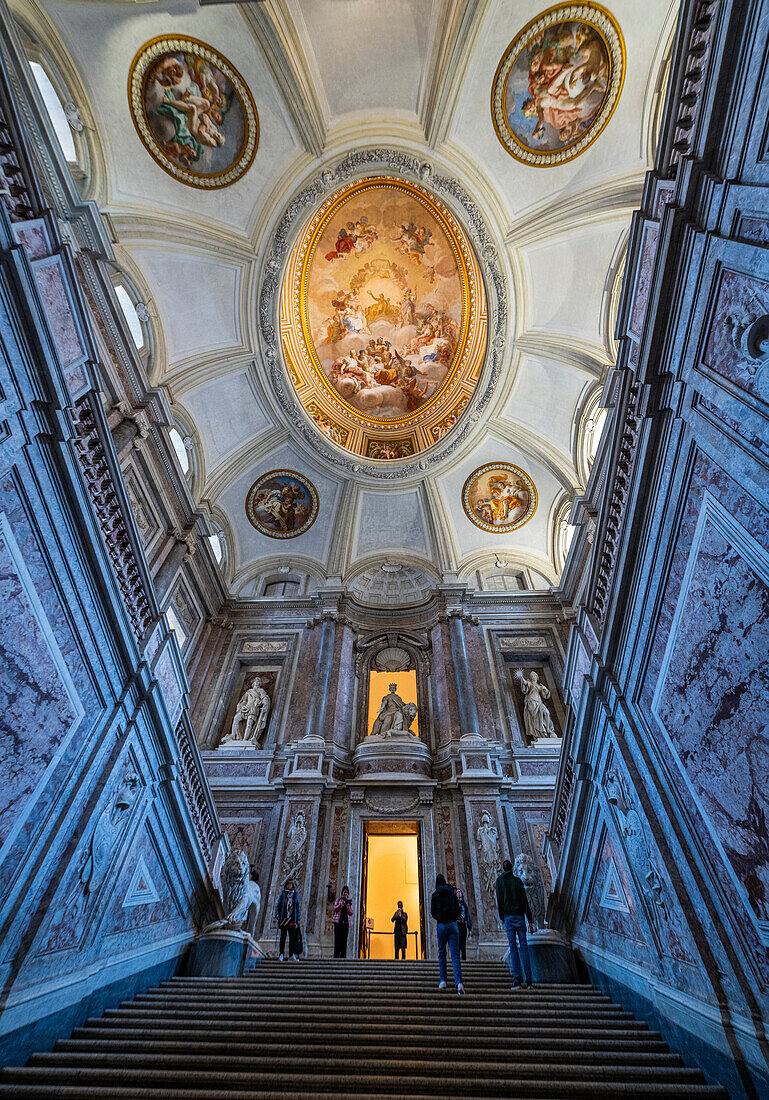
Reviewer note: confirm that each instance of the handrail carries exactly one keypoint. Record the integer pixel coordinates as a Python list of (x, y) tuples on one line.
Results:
[(371, 932)]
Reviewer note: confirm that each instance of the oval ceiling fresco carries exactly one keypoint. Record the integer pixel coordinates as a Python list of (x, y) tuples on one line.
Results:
[(383, 319), (558, 83), (193, 111)]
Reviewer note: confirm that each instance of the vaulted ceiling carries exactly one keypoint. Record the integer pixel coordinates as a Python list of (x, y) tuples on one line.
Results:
[(330, 77)]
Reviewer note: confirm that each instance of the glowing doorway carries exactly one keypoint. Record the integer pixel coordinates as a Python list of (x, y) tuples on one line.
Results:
[(392, 867)]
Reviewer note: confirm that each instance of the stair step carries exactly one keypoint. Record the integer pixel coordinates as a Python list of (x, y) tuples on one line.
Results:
[(356, 1081), (526, 1091), (157, 1039), (635, 1029)]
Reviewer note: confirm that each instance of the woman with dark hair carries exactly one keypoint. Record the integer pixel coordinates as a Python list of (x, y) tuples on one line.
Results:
[(445, 909), (287, 916), (464, 923), (341, 920)]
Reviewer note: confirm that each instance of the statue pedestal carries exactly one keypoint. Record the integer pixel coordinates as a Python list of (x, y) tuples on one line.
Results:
[(400, 756), (224, 953), (552, 959)]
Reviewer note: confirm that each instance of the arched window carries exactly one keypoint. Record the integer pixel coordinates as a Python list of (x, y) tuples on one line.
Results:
[(57, 112), (216, 543), (563, 533), (180, 450), (275, 589), (591, 425), (131, 314)]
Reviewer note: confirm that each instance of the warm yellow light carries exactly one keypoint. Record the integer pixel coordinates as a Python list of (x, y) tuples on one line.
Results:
[(392, 876), (379, 686)]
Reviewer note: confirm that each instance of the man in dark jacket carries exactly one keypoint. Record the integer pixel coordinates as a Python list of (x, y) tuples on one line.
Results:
[(445, 909), (513, 909)]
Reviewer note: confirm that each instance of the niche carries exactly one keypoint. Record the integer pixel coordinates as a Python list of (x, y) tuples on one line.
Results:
[(393, 659)]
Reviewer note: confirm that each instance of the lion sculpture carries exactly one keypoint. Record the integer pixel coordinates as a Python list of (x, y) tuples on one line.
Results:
[(239, 893), (531, 876)]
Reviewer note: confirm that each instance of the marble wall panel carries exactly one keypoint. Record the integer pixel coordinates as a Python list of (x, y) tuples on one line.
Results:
[(48, 703), (721, 698), (738, 295), (155, 915), (712, 696), (608, 923)]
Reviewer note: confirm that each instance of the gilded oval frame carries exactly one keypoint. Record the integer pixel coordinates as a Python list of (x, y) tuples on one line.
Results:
[(148, 55), (516, 471), (356, 431), (604, 23), (308, 486)]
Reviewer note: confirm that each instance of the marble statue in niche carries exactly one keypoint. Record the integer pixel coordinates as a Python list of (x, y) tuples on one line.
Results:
[(531, 877), (250, 719), (296, 842), (395, 716), (536, 716), (239, 893), (487, 835)]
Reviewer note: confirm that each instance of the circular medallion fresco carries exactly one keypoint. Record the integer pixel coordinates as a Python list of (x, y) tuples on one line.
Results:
[(282, 505), (383, 319), (499, 497), (193, 111), (558, 83)]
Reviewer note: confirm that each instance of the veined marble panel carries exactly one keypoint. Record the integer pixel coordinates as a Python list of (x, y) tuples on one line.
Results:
[(39, 703), (712, 695)]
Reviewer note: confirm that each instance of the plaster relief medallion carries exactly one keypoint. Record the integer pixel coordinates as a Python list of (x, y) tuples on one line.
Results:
[(282, 505), (499, 497), (193, 111), (558, 83), (383, 319)]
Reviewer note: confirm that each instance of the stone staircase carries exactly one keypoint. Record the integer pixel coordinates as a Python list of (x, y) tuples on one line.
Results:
[(355, 1028)]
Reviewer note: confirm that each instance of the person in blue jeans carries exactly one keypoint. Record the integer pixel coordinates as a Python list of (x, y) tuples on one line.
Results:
[(445, 909), (514, 912)]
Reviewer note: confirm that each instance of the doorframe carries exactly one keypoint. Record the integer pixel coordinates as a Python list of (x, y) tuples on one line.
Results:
[(385, 827)]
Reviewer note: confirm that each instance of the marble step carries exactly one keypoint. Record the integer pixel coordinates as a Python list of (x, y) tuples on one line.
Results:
[(549, 1080), (636, 1030), (526, 1091), (88, 1038), (381, 1061)]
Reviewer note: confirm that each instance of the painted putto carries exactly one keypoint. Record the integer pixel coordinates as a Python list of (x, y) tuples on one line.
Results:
[(281, 504), (382, 318), (499, 497), (558, 83), (193, 111)]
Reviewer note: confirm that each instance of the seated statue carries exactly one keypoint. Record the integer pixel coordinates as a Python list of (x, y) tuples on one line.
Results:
[(394, 715)]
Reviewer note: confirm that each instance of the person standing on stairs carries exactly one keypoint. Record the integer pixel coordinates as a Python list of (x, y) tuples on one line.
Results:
[(287, 915), (341, 920), (401, 930), (514, 911), (464, 923), (444, 907)]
